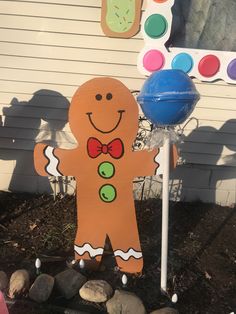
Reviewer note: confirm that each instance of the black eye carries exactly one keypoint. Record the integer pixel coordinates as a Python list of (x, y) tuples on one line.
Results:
[(98, 96), (109, 96)]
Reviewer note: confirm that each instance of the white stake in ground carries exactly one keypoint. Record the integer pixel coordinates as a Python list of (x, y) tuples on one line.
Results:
[(165, 212)]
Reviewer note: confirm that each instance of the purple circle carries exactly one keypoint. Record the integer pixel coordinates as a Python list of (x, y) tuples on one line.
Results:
[(231, 70), (153, 60)]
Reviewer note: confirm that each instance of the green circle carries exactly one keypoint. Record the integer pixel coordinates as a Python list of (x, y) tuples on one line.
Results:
[(106, 170), (107, 193), (155, 25)]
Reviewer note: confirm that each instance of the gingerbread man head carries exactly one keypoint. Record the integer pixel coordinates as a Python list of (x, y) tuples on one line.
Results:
[(104, 108)]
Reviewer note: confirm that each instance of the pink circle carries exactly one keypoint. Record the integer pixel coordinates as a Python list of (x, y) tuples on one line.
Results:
[(209, 65), (153, 60)]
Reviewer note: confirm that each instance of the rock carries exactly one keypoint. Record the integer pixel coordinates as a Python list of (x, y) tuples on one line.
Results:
[(3, 281), (69, 311), (41, 289), (124, 302), (78, 304), (30, 267), (96, 291), (165, 310), (19, 283), (69, 282)]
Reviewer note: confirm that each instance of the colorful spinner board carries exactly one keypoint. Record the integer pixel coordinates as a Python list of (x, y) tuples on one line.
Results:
[(206, 65)]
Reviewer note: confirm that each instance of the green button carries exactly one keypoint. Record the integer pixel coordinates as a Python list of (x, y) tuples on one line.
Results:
[(107, 193), (155, 25), (106, 170)]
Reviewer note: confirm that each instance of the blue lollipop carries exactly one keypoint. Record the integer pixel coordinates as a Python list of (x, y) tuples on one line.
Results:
[(168, 97)]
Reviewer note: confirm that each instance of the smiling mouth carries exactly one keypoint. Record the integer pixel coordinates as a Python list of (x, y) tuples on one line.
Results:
[(102, 131)]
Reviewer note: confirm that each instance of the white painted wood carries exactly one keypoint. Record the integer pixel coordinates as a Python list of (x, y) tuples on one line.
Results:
[(9, 143), (206, 133), (216, 89), (210, 184), (15, 86), (74, 79), (38, 9), (28, 145), (58, 136), (89, 3), (214, 114), (27, 111), (63, 54), (228, 126), (208, 159), (50, 101), (52, 25), (31, 123), (207, 185), (7, 166), (222, 103), (69, 40), (208, 148), (221, 197)]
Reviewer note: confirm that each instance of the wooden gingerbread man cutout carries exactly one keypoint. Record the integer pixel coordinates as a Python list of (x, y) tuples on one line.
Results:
[(103, 117)]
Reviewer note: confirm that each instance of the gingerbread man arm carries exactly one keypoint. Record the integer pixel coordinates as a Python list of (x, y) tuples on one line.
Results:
[(145, 164), (148, 162), (53, 161)]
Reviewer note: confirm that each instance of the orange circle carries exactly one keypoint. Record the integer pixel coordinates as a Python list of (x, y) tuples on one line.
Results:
[(160, 1)]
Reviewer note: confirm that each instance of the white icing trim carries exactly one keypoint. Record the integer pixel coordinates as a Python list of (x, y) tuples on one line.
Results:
[(126, 255), (51, 168), (80, 250), (159, 159)]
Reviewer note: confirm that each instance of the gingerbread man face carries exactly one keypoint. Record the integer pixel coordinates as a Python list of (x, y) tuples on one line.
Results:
[(104, 107)]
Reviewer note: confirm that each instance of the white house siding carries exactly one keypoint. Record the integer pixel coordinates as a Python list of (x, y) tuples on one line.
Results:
[(50, 47)]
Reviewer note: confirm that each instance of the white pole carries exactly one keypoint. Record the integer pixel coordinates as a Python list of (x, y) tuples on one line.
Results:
[(165, 212)]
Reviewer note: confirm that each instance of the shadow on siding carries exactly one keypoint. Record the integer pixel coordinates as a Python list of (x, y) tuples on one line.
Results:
[(40, 119), (211, 178)]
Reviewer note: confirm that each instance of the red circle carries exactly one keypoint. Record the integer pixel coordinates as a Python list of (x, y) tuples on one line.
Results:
[(209, 65)]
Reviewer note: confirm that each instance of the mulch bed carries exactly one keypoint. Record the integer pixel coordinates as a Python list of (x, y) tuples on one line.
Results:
[(202, 251)]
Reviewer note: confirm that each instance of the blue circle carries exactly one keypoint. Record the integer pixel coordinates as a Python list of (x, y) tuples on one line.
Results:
[(183, 61), (168, 97)]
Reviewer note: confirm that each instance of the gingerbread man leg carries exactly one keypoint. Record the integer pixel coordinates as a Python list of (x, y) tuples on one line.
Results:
[(125, 242), (90, 252), (89, 242)]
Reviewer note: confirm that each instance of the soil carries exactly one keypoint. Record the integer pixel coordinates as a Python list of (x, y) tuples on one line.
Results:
[(202, 252)]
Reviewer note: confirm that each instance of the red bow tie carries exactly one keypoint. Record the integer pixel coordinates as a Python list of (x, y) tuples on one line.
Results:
[(115, 148)]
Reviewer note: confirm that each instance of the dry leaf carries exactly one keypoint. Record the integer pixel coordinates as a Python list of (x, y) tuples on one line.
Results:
[(207, 275), (32, 226)]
